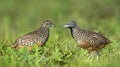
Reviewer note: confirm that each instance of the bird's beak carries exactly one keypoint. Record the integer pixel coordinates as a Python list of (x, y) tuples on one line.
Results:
[(66, 25), (53, 25)]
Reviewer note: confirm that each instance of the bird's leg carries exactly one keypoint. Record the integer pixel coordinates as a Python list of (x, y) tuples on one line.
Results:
[(93, 54), (89, 55), (97, 54), (30, 48)]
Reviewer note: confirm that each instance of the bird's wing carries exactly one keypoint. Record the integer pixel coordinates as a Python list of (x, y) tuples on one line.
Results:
[(98, 39), (28, 39)]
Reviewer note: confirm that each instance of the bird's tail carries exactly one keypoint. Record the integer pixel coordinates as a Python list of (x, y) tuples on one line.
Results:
[(14, 45)]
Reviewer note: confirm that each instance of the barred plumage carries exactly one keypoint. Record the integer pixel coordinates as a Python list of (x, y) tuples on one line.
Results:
[(89, 40), (39, 36)]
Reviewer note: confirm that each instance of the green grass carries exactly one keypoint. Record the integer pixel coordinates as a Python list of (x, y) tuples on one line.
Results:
[(17, 17)]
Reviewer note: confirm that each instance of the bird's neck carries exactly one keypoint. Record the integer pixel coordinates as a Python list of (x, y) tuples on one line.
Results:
[(44, 30), (73, 30)]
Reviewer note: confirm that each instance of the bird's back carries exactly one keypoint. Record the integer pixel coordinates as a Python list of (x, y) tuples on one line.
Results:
[(89, 38), (41, 35)]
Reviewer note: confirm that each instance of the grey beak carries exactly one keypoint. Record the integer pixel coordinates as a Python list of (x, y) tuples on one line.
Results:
[(66, 26)]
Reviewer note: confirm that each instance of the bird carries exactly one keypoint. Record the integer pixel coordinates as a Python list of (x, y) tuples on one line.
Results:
[(89, 40), (38, 37)]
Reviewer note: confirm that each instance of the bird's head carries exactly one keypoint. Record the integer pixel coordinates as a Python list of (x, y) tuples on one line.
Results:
[(47, 23), (70, 24)]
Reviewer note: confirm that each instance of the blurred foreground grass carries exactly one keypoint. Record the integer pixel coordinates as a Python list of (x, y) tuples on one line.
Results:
[(18, 17)]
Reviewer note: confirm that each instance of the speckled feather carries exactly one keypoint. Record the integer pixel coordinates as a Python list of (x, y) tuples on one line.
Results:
[(39, 37), (89, 40)]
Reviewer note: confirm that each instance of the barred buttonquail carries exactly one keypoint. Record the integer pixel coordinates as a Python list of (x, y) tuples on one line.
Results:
[(89, 40), (39, 36)]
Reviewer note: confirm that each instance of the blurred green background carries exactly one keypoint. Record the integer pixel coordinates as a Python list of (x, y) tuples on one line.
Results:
[(18, 17), (24, 15)]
